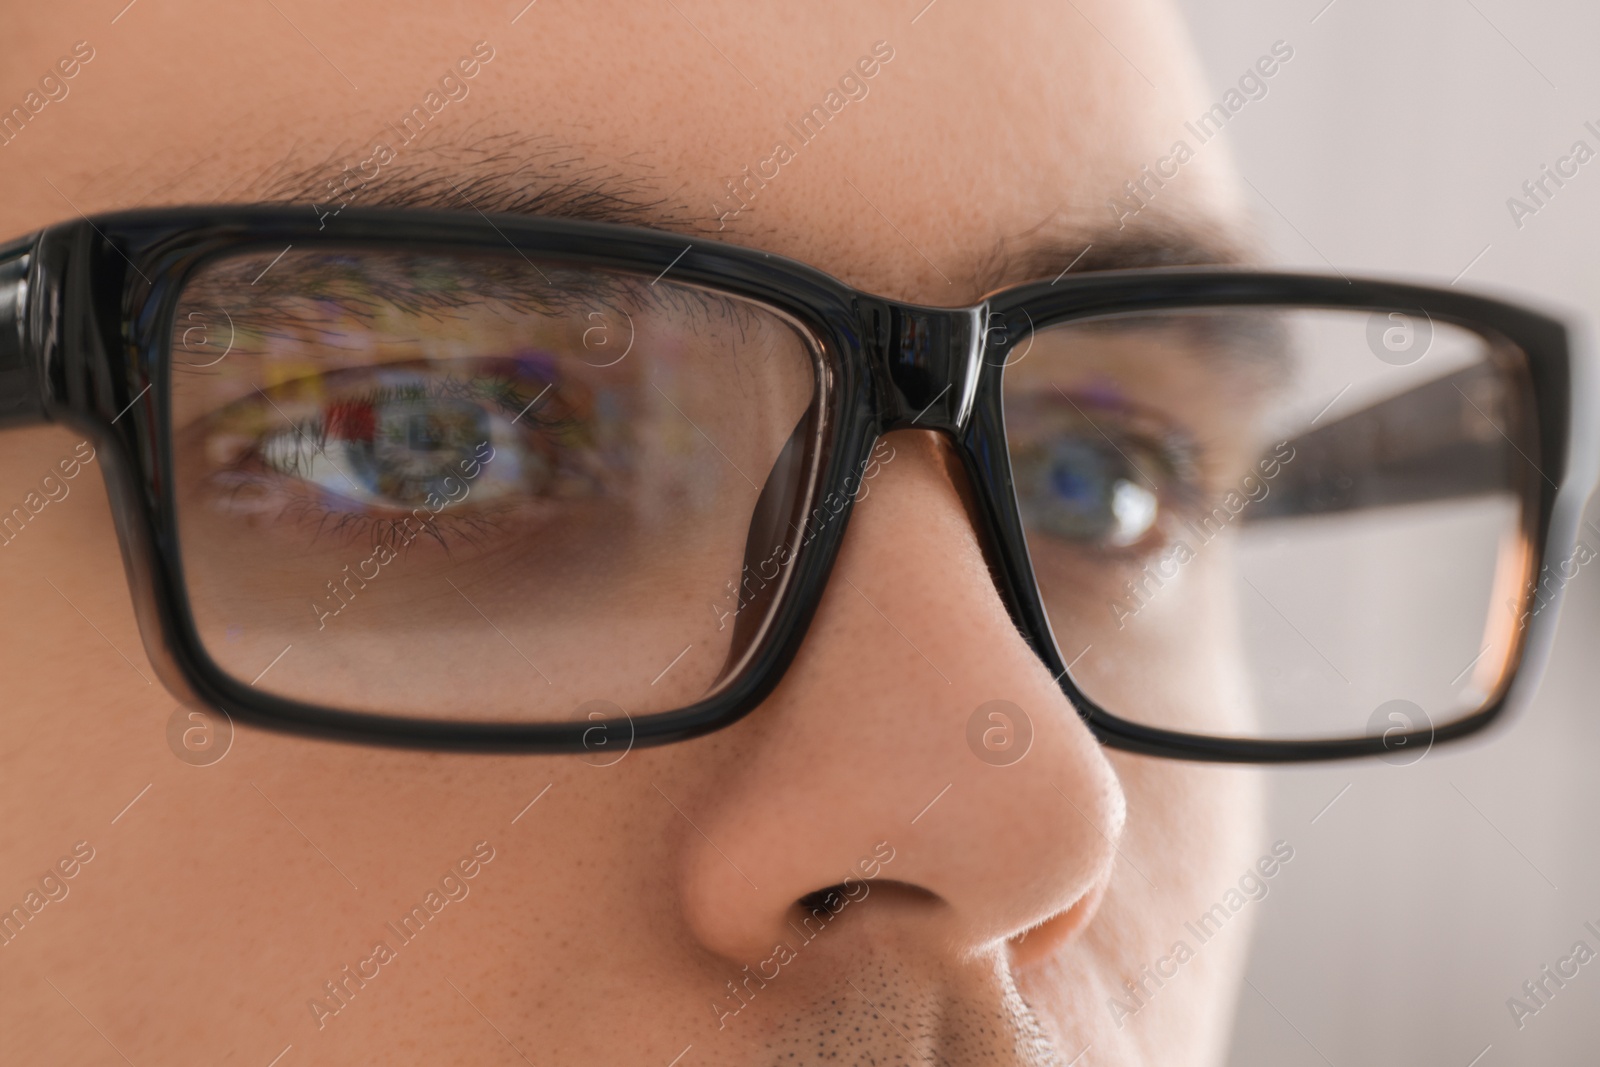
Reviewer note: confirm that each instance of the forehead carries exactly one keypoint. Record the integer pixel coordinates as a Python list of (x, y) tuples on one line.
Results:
[(984, 144)]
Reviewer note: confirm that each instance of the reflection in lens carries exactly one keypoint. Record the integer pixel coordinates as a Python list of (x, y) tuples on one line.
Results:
[(424, 485)]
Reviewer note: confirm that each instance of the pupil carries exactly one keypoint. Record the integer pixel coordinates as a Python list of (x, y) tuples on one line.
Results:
[(422, 433), (1069, 482)]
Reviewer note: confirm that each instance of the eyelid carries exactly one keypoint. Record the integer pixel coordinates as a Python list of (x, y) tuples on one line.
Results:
[(1105, 420)]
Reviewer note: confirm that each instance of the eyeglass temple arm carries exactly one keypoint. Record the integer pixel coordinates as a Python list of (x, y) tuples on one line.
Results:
[(1444, 440)]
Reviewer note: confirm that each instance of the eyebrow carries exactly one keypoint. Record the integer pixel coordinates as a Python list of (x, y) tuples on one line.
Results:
[(1158, 238), (539, 175), (513, 174)]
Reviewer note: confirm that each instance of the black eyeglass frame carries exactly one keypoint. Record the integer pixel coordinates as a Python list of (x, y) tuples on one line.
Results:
[(86, 313)]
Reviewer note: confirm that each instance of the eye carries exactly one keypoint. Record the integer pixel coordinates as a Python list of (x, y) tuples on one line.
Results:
[(1078, 490), (395, 438), (392, 447), (1106, 481)]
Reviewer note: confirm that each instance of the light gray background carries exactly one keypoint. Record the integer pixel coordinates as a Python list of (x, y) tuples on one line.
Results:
[(1425, 896)]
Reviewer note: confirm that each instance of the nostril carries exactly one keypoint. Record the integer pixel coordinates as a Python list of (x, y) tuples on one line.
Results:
[(821, 898), (824, 905)]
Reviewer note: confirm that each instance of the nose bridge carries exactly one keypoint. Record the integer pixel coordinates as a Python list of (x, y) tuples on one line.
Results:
[(926, 363)]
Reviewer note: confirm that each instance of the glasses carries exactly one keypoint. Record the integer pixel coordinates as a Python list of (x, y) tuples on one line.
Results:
[(528, 484)]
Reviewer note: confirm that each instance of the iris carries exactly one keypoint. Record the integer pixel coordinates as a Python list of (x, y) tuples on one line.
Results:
[(1086, 491)]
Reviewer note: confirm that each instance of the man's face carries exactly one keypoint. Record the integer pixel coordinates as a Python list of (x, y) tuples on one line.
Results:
[(835, 878)]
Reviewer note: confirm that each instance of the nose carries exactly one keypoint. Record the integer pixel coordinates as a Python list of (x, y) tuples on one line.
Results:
[(883, 770)]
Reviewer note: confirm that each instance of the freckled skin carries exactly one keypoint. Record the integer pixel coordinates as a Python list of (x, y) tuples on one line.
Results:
[(618, 907)]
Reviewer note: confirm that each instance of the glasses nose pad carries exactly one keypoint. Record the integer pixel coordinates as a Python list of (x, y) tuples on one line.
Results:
[(771, 544)]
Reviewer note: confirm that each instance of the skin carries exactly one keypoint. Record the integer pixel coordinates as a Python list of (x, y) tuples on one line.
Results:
[(616, 908)]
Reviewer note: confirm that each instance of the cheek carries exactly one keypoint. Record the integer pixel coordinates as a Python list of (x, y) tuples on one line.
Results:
[(64, 563)]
